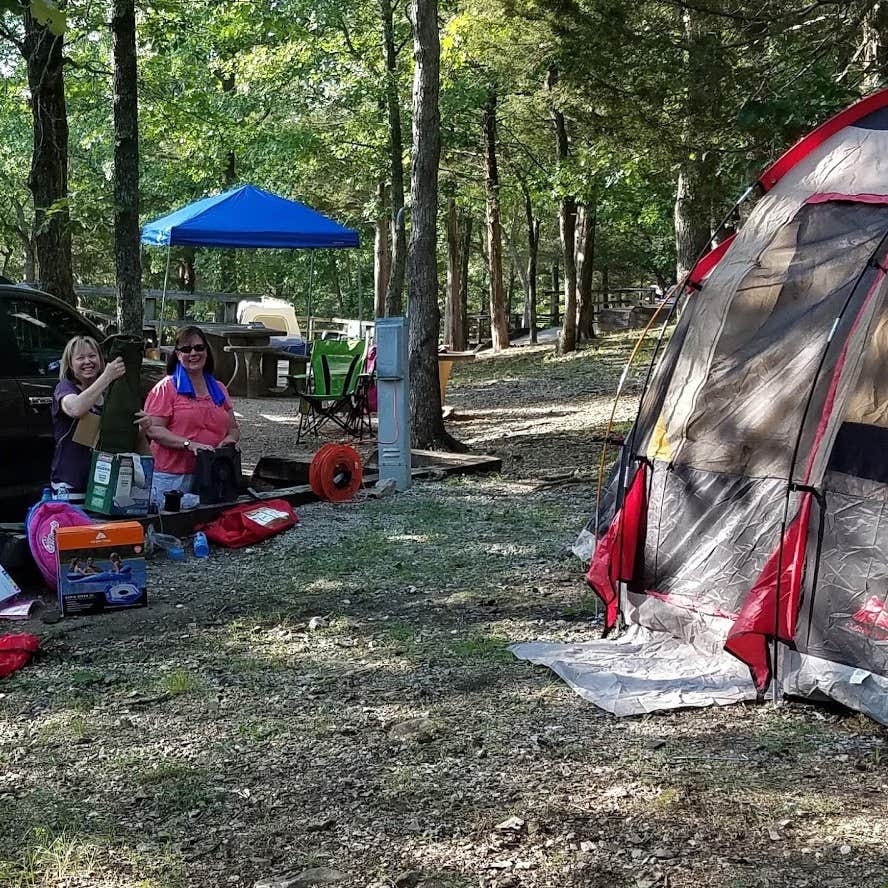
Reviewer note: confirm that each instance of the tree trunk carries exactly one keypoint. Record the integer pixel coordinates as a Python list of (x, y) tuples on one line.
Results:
[(556, 293), (461, 331), (533, 243), (228, 258), (126, 169), (453, 315), (337, 284), (26, 236), (874, 47), (422, 267), (567, 223), (693, 194), (185, 271), (585, 261), (48, 180), (395, 289), (382, 264), (499, 328), (567, 338)]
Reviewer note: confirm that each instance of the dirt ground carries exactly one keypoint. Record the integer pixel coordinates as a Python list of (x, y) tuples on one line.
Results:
[(337, 706)]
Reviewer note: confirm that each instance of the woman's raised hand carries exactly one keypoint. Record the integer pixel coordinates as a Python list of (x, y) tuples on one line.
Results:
[(114, 370)]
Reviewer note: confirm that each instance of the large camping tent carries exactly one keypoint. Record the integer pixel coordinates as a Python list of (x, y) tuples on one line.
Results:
[(751, 502)]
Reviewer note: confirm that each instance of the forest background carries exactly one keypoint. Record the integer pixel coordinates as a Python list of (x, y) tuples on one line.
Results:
[(584, 144)]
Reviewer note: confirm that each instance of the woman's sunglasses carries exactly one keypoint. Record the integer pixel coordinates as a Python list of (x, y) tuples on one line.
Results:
[(187, 349)]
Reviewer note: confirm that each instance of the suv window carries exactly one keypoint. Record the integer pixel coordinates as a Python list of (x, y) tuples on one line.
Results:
[(40, 331)]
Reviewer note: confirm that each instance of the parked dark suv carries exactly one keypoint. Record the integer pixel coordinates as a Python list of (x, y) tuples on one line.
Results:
[(34, 328)]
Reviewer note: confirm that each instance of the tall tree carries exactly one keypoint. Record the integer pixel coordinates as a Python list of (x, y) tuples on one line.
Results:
[(452, 304), (395, 289), (533, 244), (693, 196), (227, 258), (874, 47), (567, 222), (382, 265), (422, 267), (126, 168), (43, 51), (461, 331), (499, 326), (585, 253)]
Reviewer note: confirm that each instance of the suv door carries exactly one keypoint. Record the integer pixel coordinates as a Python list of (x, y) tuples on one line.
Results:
[(15, 460), (41, 328)]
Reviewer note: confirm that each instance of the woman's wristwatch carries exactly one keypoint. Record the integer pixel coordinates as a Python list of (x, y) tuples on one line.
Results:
[(186, 444)]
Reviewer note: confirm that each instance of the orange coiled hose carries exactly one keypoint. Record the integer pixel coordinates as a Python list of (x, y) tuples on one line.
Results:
[(336, 473)]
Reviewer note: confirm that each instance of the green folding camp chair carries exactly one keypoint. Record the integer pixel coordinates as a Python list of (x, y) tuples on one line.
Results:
[(336, 369)]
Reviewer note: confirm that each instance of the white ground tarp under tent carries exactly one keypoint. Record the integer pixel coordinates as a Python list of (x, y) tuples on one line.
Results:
[(644, 671)]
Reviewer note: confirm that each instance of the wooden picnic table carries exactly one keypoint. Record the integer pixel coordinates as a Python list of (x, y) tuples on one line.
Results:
[(235, 349)]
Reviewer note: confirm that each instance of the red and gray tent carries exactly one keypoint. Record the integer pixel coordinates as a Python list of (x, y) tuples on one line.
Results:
[(751, 502)]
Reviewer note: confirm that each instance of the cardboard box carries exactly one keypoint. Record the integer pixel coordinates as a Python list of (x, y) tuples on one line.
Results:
[(86, 432), (101, 567), (119, 484)]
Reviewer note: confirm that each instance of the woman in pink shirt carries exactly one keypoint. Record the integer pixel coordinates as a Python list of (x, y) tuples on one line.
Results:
[(190, 411)]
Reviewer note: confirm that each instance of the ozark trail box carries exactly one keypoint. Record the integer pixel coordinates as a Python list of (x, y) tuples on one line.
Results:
[(101, 567)]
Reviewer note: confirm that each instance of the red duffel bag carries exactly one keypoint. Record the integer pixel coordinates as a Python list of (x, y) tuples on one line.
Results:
[(250, 523)]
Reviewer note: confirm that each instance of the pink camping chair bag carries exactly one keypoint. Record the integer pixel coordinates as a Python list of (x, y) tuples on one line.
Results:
[(42, 522)]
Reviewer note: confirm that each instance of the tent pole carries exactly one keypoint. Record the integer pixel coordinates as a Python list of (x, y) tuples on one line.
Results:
[(311, 271), (163, 296)]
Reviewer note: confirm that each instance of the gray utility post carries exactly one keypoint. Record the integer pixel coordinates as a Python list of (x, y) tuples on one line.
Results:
[(393, 389)]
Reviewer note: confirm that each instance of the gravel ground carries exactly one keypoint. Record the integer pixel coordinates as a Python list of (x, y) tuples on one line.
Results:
[(337, 706)]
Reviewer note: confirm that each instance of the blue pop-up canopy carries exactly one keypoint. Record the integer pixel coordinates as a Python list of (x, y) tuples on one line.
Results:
[(248, 217)]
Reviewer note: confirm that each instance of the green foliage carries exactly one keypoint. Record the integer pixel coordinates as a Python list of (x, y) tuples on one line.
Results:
[(295, 92)]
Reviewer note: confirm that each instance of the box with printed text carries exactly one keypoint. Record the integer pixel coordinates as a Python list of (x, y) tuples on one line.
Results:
[(119, 484), (101, 567)]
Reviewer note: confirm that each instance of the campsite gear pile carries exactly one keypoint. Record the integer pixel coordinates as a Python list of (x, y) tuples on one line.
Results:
[(748, 509)]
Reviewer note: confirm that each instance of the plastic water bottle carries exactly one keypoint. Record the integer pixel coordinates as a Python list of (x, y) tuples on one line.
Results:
[(163, 542), (201, 545)]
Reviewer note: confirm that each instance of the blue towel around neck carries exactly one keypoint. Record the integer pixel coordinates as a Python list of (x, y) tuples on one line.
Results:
[(184, 386)]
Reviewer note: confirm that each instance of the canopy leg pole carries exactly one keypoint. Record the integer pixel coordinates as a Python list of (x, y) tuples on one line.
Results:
[(360, 293), (163, 296), (311, 271)]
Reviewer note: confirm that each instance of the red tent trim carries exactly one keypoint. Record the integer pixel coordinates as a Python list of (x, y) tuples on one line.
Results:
[(848, 198), (777, 170), (708, 262), (748, 637), (616, 552)]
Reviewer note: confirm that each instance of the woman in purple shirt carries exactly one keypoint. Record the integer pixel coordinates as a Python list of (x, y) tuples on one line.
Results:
[(84, 378)]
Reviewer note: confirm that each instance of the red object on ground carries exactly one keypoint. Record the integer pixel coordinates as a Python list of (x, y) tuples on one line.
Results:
[(15, 651), (336, 472), (250, 523)]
